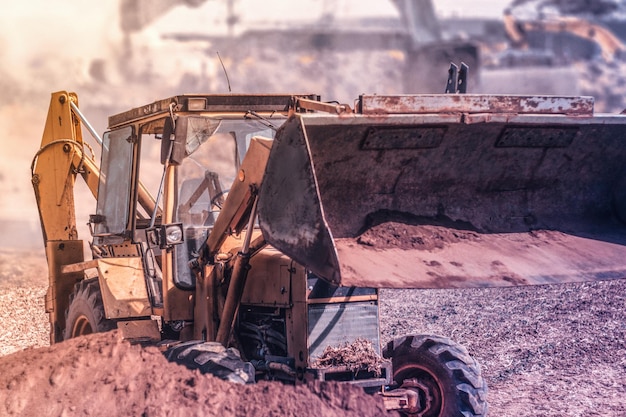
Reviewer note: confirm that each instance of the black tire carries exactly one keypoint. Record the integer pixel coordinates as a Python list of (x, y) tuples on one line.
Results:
[(85, 314), (212, 358), (447, 379)]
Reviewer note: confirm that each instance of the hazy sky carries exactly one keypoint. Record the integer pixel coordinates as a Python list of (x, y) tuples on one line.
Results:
[(485, 8), (285, 12), (69, 33), (85, 14)]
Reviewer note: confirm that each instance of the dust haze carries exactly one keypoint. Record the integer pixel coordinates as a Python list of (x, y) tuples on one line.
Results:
[(122, 54)]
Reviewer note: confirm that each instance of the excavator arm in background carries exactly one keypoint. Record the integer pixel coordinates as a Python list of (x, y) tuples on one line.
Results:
[(610, 45)]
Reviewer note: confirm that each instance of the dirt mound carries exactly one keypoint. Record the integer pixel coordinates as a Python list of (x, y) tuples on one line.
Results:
[(406, 236), (102, 375)]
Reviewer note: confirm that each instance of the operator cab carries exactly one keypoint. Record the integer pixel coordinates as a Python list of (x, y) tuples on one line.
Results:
[(171, 164)]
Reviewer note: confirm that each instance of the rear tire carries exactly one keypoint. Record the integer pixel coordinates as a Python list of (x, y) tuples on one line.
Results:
[(447, 379), (85, 315)]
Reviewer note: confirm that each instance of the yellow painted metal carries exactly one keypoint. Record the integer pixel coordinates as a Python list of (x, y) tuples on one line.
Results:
[(139, 331), (206, 304), (177, 303), (60, 158), (123, 287), (61, 253), (261, 291), (54, 172)]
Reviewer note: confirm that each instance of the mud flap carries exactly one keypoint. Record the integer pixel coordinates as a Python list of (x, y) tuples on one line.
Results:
[(414, 198)]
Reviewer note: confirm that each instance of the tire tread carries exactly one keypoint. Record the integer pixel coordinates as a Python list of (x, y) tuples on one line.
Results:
[(463, 369)]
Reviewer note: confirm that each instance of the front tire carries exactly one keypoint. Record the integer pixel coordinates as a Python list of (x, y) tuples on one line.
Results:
[(85, 315), (212, 358), (446, 378)]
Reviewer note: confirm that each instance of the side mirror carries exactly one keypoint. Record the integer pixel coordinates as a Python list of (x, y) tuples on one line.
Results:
[(186, 138)]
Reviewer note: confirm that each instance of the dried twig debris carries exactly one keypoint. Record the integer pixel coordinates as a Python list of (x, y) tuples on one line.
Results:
[(356, 356)]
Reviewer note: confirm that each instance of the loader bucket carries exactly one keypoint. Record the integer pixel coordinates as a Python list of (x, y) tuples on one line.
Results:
[(451, 191)]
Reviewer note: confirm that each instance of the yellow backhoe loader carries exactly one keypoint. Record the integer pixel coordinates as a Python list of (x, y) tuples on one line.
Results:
[(245, 234)]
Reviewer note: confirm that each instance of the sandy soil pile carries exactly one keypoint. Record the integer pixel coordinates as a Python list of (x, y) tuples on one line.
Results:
[(406, 236), (101, 375)]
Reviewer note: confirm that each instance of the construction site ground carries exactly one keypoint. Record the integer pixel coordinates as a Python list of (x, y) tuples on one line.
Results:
[(545, 351)]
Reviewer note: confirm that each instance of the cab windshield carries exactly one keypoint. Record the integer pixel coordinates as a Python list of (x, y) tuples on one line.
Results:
[(205, 176)]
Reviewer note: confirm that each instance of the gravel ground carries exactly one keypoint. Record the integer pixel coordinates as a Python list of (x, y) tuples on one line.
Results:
[(545, 351), (24, 322), (23, 284)]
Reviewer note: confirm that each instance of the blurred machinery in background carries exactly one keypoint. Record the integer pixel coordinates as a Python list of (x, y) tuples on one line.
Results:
[(418, 48), (135, 15), (566, 31)]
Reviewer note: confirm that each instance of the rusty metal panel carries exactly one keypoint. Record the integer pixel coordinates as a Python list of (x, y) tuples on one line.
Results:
[(403, 137), (539, 120), (536, 137), (387, 120), (476, 103)]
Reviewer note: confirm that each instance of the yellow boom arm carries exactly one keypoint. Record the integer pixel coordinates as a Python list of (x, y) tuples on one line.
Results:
[(55, 166)]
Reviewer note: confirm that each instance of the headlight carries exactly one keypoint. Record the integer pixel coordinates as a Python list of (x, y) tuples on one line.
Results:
[(171, 234)]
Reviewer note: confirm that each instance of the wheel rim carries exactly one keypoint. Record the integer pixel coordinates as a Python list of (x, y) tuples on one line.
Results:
[(427, 387), (81, 327)]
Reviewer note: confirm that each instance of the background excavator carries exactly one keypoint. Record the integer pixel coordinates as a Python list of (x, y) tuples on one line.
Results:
[(520, 31), (565, 27), (247, 234)]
